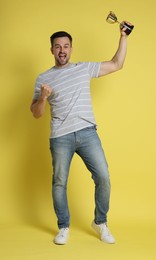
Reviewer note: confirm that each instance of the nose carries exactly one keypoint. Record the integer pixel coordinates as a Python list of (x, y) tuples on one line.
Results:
[(61, 49)]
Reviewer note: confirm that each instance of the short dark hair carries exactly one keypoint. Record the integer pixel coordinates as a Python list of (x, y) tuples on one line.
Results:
[(60, 34)]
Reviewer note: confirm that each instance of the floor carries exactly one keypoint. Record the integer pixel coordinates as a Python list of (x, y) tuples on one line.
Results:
[(134, 241)]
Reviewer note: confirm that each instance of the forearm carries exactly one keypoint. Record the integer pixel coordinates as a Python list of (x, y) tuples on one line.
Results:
[(116, 63), (119, 57), (38, 107)]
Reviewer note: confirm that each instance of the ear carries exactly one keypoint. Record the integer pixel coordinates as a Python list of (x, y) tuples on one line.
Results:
[(51, 49)]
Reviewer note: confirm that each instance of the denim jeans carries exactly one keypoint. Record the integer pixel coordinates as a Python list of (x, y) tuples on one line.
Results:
[(87, 145)]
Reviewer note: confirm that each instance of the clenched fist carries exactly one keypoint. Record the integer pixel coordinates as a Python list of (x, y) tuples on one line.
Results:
[(45, 91), (123, 28)]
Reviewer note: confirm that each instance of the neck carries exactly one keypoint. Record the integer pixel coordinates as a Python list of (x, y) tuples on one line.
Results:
[(59, 66)]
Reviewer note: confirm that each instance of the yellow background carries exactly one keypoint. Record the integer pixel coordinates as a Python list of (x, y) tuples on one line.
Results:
[(125, 110)]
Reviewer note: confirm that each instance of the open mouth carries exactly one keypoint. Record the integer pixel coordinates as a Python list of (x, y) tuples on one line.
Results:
[(62, 56)]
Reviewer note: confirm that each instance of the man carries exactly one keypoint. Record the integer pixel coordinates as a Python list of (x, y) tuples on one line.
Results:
[(66, 87)]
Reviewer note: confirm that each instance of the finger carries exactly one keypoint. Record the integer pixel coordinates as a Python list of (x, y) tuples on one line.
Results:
[(128, 22), (44, 86)]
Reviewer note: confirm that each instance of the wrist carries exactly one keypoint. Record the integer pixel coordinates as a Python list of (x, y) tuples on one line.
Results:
[(42, 99), (123, 36)]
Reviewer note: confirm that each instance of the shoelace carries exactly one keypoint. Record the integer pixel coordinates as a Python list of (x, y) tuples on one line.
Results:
[(61, 233), (104, 227)]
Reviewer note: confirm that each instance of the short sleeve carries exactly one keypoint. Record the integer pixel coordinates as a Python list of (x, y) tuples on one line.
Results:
[(37, 90), (94, 68)]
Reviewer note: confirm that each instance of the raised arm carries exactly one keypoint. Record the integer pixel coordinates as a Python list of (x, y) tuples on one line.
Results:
[(116, 63), (38, 105)]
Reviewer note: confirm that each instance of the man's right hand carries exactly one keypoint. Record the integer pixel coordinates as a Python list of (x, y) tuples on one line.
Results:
[(38, 105), (45, 91)]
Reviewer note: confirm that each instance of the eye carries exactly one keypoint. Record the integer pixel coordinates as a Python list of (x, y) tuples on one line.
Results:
[(57, 47)]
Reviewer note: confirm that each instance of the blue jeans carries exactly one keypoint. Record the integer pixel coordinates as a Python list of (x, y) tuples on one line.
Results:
[(87, 145)]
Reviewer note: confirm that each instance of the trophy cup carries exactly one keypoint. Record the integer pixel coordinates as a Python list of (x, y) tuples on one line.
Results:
[(111, 18)]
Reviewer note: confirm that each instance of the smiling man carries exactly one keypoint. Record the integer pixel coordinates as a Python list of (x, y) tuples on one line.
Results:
[(61, 49), (66, 87)]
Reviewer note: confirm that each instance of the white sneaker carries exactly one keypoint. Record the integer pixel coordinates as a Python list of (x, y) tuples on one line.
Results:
[(104, 232), (62, 236)]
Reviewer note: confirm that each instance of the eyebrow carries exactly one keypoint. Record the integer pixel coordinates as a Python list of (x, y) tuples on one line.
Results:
[(57, 44)]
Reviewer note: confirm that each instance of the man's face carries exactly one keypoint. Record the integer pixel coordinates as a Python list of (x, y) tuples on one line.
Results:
[(61, 50)]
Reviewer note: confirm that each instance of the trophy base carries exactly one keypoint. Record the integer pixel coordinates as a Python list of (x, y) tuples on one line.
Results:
[(129, 28)]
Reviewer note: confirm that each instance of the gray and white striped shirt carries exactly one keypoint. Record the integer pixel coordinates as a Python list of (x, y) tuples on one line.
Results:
[(70, 101)]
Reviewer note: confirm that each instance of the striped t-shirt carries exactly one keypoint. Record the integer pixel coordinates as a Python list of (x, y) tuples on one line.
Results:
[(70, 101)]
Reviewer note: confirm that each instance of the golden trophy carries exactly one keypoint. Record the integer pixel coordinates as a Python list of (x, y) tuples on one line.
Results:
[(111, 18)]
